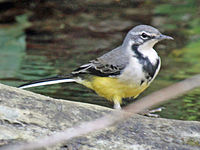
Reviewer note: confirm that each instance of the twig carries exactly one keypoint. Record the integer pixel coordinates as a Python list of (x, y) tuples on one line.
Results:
[(116, 116)]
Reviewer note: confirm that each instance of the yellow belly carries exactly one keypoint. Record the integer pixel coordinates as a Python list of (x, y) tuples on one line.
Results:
[(113, 89)]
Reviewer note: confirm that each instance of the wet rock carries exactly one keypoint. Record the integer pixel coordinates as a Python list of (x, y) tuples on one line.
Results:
[(25, 116)]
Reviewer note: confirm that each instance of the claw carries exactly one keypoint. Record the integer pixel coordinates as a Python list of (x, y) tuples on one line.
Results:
[(157, 110), (150, 113)]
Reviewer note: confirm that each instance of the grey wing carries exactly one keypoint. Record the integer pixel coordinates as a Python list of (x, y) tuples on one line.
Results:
[(110, 64), (98, 69)]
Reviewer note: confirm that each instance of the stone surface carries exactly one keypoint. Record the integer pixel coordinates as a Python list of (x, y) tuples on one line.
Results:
[(25, 116)]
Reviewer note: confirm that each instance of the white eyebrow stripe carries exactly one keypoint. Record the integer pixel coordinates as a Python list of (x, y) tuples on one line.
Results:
[(140, 33)]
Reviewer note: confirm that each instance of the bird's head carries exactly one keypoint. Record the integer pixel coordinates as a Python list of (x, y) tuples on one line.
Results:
[(144, 36)]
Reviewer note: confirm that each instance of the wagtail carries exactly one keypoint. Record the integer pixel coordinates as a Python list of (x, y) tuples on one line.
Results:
[(124, 72)]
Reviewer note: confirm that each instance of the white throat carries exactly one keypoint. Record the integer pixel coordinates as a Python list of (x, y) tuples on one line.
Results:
[(147, 50), (148, 45)]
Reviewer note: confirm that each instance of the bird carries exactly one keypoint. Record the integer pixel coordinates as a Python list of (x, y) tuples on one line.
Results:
[(124, 72)]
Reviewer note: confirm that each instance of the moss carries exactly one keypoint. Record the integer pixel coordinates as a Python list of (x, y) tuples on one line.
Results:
[(192, 142)]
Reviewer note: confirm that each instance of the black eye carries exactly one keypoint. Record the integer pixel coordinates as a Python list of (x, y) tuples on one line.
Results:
[(144, 36)]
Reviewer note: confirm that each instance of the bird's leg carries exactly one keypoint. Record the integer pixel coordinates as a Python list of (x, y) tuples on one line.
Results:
[(117, 106), (117, 101)]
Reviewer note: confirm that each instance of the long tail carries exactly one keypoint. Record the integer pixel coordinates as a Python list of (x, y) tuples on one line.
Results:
[(47, 81)]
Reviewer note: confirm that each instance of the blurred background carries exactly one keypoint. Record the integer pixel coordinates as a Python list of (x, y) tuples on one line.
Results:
[(40, 39)]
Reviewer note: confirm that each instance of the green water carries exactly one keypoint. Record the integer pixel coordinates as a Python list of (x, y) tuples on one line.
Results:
[(45, 44)]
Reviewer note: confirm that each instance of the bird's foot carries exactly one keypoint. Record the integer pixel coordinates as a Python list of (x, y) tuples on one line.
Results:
[(151, 113)]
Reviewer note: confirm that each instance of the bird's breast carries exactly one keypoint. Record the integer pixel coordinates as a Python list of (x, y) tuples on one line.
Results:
[(133, 74), (140, 71)]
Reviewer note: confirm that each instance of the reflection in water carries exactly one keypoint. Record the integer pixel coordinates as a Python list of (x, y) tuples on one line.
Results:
[(59, 43), (12, 47)]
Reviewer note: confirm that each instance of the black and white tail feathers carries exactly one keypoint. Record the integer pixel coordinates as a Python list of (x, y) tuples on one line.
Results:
[(47, 81), (95, 68)]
